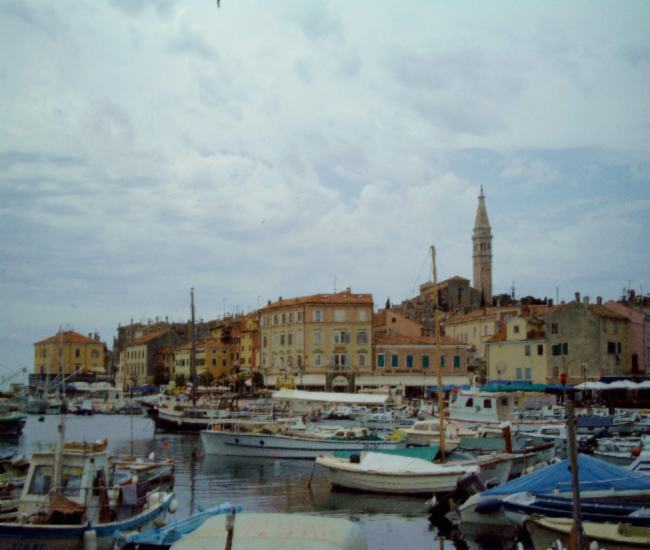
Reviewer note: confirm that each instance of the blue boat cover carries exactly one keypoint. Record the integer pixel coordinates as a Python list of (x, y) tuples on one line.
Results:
[(594, 421), (594, 475)]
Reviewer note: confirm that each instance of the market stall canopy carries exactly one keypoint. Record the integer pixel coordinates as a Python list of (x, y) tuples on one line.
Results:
[(592, 386), (331, 397)]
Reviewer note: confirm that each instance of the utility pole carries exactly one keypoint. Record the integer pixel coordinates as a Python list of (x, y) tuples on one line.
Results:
[(193, 351), (436, 355)]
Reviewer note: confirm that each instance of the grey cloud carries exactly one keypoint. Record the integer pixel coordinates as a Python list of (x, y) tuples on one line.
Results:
[(36, 15), (317, 21), (637, 55), (164, 8), (192, 43), (9, 159)]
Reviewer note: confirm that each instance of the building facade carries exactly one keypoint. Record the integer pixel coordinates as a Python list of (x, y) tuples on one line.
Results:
[(586, 341), (322, 341), (517, 352), (142, 363), (638, 334), (71, 353)]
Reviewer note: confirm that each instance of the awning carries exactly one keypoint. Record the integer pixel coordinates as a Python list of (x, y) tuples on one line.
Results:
[(330, 397)]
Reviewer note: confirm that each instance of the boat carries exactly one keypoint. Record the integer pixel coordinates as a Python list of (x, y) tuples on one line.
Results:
[(427, 432), (275, 530), (476, 408), (154, 472), (189, 417), (272, 439), (519, 506), (163, 536), (392, 473), (66, 502), (595, 423), (544, 532), (483, 515)]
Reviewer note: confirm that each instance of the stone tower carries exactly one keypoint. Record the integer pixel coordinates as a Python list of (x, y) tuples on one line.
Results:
[(482, 251)]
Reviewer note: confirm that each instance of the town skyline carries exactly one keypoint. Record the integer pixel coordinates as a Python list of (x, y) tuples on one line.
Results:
[(259, 151)]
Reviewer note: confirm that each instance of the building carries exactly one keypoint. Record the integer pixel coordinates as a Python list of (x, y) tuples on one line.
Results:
[(455, 295), (517, 352), (409, 361), (482, 252), (321, 341), (638, 334), (143, 363), (72, 353), (390, 322), (249, 342), (586, 341)]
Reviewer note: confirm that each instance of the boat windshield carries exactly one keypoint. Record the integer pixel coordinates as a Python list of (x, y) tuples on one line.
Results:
[(71, 480), (41, 480)]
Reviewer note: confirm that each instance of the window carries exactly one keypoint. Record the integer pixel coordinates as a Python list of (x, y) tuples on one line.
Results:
[(527, 373), (394, 360), (518, 371), (361, 359), (77, 352), (341, 337), (425, 361), (515, 328), (611, 347), (340, 360), (317, 337), (527, 350), (318, 359), (469, 402), (380, 360), (442, 361), (565, 349), (456, 361), (540, 349), (363, 316), (554, 328), (299, 316), (487, 403), (284, 318), (275, 319), (291, 317), (556, 349), (409, 361), (41, 480), (289, 339), (317, 315), (282, 339), (362, 337), (339, 315)]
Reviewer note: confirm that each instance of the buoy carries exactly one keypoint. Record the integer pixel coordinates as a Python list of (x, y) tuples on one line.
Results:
[(635, 451), (90, 539), (173, 506)]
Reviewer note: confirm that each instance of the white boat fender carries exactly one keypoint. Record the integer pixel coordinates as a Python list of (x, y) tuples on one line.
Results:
[(90, 539), (173, 506), (488, 506), (154, 499)]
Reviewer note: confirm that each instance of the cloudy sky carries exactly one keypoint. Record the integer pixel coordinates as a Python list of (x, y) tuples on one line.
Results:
[(277, 148)]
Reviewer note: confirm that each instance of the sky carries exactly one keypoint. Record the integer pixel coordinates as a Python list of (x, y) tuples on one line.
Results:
[(266, 149)]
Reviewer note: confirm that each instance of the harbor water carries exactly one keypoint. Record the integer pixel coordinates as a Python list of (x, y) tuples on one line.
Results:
[(257, 485)]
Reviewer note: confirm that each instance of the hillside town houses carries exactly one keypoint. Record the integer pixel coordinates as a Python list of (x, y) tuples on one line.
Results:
[(342, 341)]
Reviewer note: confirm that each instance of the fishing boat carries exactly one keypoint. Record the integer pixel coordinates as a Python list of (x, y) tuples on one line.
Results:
[(545, 532), (66, 502), (392, 473), (194, 417), (427, 432), (154, 472), (273, 439)]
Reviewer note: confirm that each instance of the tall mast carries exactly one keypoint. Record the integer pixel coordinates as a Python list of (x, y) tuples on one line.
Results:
[(193, 351), (436, 355)]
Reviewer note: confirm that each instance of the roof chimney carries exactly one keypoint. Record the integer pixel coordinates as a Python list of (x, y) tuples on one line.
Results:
[(268, 302), (577, 297), (599, 300)]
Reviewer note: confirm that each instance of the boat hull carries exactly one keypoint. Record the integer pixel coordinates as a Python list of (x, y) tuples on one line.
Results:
[(71, 537), (283, 446), (401, 484)]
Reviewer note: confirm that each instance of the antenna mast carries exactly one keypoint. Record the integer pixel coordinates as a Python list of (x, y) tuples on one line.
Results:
[(436, 355), (193, 350)]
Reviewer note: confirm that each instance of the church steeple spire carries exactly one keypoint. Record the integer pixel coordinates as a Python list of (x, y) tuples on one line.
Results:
[(482, 251)]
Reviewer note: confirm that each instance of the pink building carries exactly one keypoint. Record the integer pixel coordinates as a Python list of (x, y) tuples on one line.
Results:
[(638, 336)]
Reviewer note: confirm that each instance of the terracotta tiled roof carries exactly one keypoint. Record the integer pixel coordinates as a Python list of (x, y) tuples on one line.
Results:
[(342, 298), (69, 337), (536, 310), (500, 335), (606, 312), (399, 340)]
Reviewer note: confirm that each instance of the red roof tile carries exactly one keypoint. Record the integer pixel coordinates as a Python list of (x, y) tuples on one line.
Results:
[(339, 298), (69, 337)]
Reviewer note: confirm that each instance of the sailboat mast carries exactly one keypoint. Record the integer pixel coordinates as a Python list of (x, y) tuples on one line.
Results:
[(436, 355), (193, 351)]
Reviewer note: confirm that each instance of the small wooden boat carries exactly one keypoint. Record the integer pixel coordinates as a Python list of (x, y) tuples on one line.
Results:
[(544, 532)]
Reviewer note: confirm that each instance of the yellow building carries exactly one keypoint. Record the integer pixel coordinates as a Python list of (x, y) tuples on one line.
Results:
[(518, 352), (71, 352), (322, 341), (249, 342)]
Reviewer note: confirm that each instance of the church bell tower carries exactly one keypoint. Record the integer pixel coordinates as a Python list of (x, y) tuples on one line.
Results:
[(482, 251)]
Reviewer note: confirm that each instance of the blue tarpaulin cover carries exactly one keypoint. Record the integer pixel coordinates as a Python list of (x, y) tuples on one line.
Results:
[(594, 475)]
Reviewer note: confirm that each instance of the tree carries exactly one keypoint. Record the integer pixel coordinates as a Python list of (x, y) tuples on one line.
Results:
[(258, 380)]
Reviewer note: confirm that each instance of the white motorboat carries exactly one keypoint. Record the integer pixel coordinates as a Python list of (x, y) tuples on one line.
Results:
[(390, 473), (427, 432), (274, 440)]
